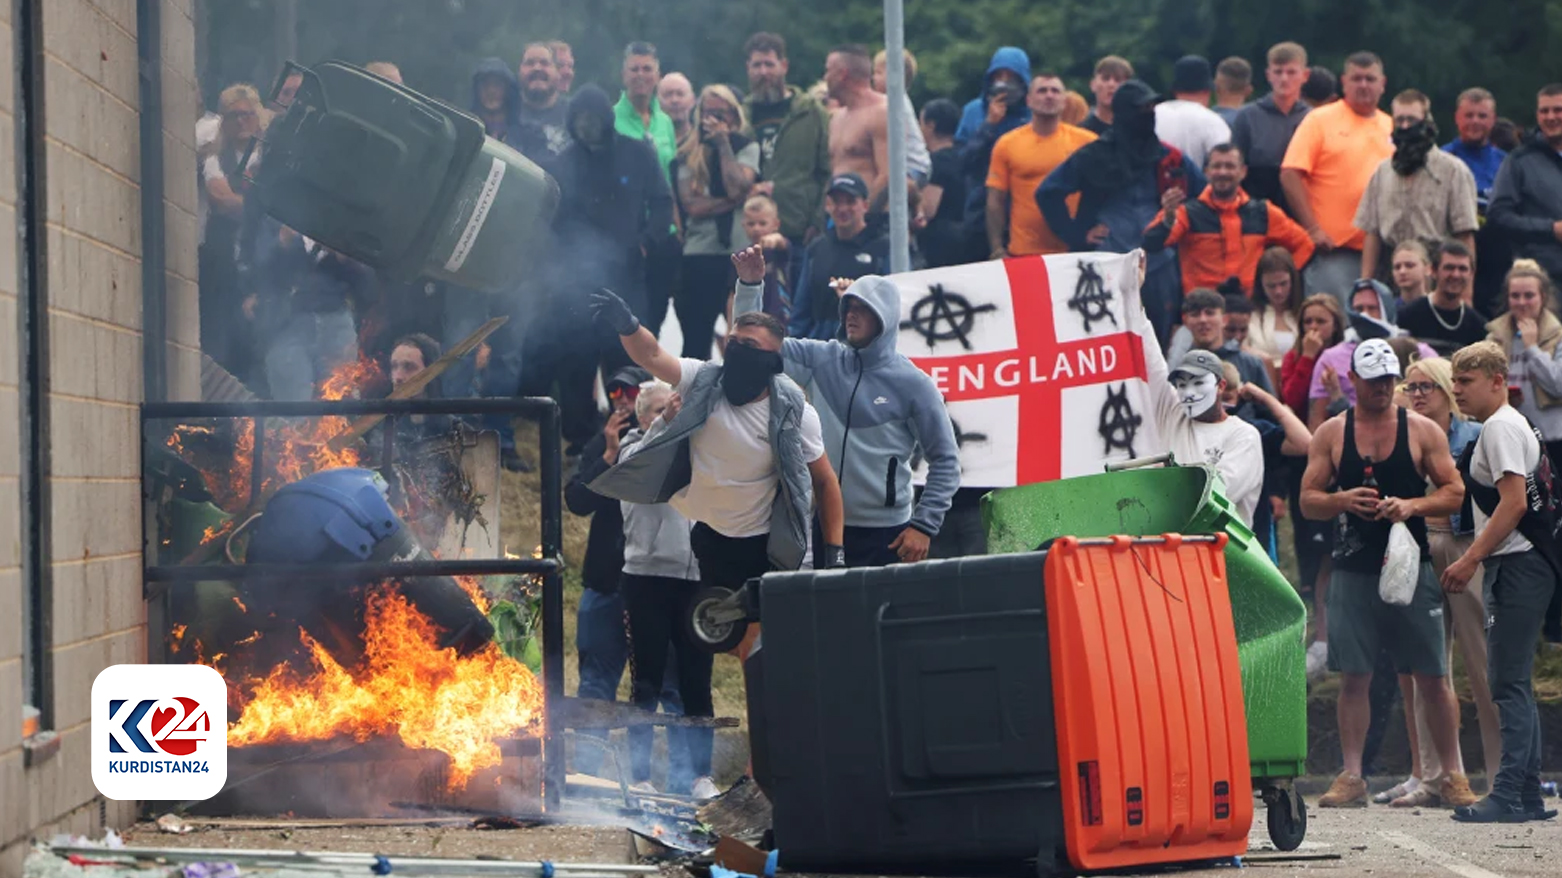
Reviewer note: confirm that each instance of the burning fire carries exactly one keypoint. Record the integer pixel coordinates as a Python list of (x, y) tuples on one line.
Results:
[(292, 448), (405, 686), (429, 697)]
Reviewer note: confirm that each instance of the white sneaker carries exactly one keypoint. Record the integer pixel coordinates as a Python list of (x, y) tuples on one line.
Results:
[(1317, 661), (704, 789)]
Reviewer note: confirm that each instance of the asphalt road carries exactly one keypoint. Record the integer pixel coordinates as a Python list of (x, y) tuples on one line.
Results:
[(1387, 842)]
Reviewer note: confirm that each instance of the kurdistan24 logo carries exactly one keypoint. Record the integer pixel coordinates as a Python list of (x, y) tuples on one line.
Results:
[(176, 726), (159, 732)]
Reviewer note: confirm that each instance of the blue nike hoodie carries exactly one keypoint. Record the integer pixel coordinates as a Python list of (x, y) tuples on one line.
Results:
[(876, 408)]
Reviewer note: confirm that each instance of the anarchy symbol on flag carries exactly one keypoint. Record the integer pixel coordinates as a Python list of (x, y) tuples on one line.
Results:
[(1031, 353)]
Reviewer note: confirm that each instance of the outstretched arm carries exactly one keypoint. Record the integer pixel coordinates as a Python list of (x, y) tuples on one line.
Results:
[(1297, 438), (641, 346)]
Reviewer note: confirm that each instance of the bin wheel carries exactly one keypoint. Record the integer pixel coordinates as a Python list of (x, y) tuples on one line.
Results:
[(1287, 829), (715, 622)]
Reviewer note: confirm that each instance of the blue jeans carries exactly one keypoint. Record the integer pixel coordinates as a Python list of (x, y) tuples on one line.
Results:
[(602, 642), (465, 311), (306, 349)]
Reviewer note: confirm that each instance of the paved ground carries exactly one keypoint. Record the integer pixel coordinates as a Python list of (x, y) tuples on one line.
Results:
[(1378, 841), (1387, 843)]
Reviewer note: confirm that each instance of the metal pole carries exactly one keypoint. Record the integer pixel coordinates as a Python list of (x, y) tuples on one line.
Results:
[(551, 464), (895, 68)]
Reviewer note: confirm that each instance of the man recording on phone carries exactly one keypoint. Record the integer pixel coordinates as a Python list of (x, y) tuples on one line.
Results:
[(1121, 180), (999, 109)]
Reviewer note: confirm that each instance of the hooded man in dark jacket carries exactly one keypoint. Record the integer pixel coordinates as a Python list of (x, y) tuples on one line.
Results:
[(496, 99), (999, 109), (1124, 179), (614, 207), (600, 636), (1526, 199)]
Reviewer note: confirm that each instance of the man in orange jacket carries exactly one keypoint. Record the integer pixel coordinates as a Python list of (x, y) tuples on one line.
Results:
[(1222, 233)]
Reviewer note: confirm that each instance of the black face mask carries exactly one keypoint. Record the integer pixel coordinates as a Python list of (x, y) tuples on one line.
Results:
[(1412, 145), (747, 372)]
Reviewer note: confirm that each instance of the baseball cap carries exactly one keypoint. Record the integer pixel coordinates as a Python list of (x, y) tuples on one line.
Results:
[(1200, 362), (1134, 94), (1191, 74), (848, 183), (1374, 359)]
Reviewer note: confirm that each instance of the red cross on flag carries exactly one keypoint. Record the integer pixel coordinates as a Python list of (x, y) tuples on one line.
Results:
[(1040, 360)]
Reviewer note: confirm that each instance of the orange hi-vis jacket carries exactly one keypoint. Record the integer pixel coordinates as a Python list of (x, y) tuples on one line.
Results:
[(1220, 239)]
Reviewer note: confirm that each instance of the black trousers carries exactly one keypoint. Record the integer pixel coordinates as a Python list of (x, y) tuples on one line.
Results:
[(707, 281), (657, 608)]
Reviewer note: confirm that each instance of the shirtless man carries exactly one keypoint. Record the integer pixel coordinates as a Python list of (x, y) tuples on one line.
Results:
[(859, 133), (1380, 458)]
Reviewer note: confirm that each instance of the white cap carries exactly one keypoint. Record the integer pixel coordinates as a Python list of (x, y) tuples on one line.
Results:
[(1373, 358)]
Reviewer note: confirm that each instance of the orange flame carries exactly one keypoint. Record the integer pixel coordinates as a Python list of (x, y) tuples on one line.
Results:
[(293, 448), (429, 697)]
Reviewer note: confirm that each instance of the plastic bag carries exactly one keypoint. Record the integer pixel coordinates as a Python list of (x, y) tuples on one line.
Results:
[(1401, 567)]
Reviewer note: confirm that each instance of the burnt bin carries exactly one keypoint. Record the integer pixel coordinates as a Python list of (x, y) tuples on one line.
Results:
[(902, 719)]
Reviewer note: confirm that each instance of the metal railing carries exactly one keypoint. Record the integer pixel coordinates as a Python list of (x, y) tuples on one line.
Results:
[(158, 578)]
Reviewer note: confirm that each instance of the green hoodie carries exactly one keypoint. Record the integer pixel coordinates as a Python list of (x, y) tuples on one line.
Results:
[(798, 164)]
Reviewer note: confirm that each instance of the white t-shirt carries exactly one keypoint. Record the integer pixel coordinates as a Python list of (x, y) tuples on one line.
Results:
[(1193, 128), (1231, 446), (1506, 445), (734, 479)]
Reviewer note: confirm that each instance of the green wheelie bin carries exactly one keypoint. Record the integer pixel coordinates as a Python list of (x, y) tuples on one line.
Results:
[(403, 183), (1270, 617)]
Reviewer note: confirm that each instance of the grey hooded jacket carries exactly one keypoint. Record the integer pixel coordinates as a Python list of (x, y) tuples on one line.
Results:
[(877, 408), (659, 465)]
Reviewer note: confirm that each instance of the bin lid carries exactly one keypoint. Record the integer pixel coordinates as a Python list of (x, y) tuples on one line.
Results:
[(1136, 502), (364, 165)]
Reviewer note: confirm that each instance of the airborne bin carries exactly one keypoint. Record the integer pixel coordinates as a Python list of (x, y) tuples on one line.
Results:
[(1270, 617), (402, 183)]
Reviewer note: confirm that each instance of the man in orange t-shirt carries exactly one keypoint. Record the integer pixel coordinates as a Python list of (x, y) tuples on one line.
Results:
[(1021, 160), (1327, 167)]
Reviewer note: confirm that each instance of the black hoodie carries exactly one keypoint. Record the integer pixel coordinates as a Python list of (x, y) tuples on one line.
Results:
[(614, 205), (507, 130)]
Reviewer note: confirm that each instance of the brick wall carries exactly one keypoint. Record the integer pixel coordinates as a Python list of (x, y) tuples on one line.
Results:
[(93, 242)]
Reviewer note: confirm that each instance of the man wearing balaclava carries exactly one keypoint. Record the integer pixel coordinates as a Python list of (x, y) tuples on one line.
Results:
[(614, 207), (1418, 193), (1123, 180), (741, 453)]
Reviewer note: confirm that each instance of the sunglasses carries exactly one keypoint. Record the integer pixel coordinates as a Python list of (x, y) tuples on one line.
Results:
[(619, 391), (1420, 388)]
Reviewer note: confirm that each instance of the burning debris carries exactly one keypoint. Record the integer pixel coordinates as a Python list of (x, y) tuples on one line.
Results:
[(405, 687), (314, 663)]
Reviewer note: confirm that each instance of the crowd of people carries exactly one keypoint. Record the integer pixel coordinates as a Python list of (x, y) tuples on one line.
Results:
[(1354, 325)]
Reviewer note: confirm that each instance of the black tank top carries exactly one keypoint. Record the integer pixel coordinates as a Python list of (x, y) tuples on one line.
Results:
[(1359, 543)]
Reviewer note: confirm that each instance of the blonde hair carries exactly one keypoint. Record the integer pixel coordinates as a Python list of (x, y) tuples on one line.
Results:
[(1230, 374), (692, 150), (756, 203), (1484, 356), (1415, 247), (1531, 268), (231, 97), (1439, 372), (911, 63), (650, 392)]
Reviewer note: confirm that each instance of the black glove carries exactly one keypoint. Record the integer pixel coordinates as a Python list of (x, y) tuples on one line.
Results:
[(834, 557), (611, 311)]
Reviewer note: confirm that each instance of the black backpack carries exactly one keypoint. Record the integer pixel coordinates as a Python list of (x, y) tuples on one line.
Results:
[(1542, 519)]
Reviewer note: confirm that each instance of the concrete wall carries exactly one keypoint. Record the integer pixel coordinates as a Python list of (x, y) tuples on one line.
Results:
[(93, 241)]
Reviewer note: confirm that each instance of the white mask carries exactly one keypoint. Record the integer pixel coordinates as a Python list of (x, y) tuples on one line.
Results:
[(1197, 393)]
